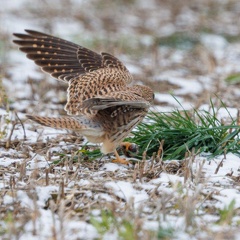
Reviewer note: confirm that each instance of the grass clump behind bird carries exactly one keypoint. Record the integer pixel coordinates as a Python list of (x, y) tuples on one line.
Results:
[(184, 130)]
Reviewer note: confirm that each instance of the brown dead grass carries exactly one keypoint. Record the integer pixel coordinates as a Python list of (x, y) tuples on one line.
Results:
[(103, 22)]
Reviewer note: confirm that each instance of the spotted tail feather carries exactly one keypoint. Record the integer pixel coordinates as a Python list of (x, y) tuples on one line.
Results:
[(57, 122)]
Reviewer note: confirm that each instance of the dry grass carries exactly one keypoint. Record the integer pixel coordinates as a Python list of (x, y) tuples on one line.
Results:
[(48, 179)]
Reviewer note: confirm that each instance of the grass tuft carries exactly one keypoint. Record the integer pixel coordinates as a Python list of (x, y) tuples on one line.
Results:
[(227, 214), (183, 130), (165, 233), (233, 78), (109, 223), (105, 223)]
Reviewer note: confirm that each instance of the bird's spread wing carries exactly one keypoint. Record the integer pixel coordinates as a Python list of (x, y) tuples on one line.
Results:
[(89, 74), (64, 60), (104, 103)]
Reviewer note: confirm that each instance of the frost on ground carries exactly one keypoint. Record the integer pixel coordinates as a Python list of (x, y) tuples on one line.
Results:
[(51, 190)]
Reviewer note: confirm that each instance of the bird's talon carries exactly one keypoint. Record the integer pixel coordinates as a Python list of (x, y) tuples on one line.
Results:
[(121, 161)]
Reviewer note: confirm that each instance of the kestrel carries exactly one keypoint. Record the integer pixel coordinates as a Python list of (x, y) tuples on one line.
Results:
[(101, 104)]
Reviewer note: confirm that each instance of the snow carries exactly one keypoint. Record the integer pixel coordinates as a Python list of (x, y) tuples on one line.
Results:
[(168, 98), (125, 191), (83, 182), (8, 161), (226, 197), (186, 85), (112, 167), (231, 163), (167, 178), (93, 187), (214, 43)]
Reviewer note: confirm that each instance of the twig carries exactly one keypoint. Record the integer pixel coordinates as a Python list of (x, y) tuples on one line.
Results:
[(160, 152), (10, 136), (24, 132), (218, 167)]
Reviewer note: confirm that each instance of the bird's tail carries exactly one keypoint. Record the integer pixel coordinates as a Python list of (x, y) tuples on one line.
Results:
[(57, 122)]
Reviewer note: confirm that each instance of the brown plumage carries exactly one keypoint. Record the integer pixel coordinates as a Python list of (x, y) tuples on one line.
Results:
[(103, 107)]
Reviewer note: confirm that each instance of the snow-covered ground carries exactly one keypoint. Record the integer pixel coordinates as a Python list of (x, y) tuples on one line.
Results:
[(49, 191)]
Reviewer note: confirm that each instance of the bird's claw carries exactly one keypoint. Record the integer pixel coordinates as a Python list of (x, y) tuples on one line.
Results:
[(121, 161)]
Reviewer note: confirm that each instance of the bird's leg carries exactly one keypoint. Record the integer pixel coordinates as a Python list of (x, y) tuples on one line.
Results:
[(118, 159)]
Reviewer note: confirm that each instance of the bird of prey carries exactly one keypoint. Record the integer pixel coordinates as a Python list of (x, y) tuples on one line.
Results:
[(101, 104)]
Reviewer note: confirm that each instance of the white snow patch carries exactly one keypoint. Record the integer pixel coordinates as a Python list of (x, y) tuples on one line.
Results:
[(168, 98), (125, 190), (231, 163), (105, 196), (226, 196), (221, 112), (166, 178), (8, 161), (7, 199), (213, 41), (113, 167), (83, 182), (44, 194), (151, 225), (38, 161), (121, 189), (186, 85)]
